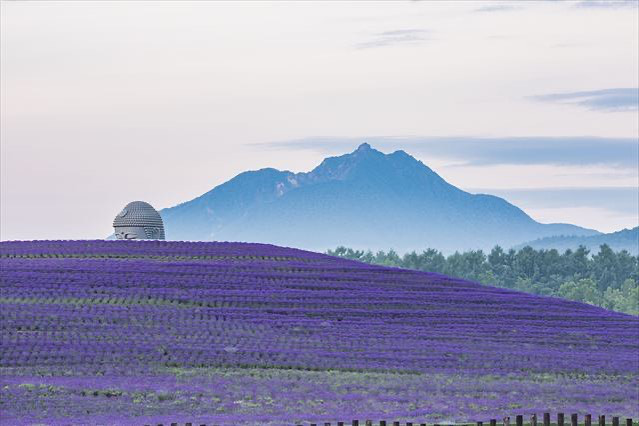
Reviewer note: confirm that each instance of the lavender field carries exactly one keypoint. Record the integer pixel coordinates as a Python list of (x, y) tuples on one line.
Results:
[(128, 332)]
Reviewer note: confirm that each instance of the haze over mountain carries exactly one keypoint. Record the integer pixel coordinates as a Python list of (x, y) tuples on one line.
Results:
[(365, 200), (626, 239)]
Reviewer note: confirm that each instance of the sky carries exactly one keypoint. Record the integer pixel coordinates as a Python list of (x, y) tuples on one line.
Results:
[(106, 102)]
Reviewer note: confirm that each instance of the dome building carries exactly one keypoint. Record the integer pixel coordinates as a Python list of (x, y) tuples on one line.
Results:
[(138, 221)]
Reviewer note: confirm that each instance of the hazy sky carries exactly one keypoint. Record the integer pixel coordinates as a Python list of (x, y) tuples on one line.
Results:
[(108, 102)]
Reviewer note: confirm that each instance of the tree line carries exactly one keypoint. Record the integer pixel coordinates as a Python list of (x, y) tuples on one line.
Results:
[(608, 279)]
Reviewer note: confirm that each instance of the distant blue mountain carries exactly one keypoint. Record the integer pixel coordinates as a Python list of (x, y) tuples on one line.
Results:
[(365, 199), (626, 239)]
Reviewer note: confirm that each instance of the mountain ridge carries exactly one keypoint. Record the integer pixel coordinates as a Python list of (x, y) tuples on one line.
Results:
[(625, 239), (363, 199)]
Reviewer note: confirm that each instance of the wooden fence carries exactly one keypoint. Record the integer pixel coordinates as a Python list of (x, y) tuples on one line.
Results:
[(519, 421)]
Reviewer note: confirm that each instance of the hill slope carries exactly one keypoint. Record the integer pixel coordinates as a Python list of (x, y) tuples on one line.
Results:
[(626, 239), (133, 332), (365, 200)]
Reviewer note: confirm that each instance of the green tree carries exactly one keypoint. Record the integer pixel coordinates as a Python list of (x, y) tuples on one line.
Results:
[(433, 260), (604, 267), (583, 290), (624, 299), (606, 279)]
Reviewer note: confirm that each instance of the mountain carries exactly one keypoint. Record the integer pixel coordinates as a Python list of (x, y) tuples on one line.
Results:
[(365, 199), (626, 239)]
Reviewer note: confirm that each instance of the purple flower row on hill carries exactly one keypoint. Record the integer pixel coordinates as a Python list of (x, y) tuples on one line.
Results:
[(113, 248), (122, 316)]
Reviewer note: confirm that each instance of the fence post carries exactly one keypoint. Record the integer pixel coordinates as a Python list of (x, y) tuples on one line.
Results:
[(533, 420), (382, 423), (628, 422), (174, 424), (560, 419), (588, 420), (340, 423), (355, 423), (602, 420), (409, 423), (369, 423), (506, 421), (615, 421), (519, 420), (546, 419), (493, 422), (395, 423), (574, 419), (480, 423), (327, 423)]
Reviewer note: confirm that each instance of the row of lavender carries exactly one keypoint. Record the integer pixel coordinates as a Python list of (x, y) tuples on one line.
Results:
[(287, 333), (114, 248)]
